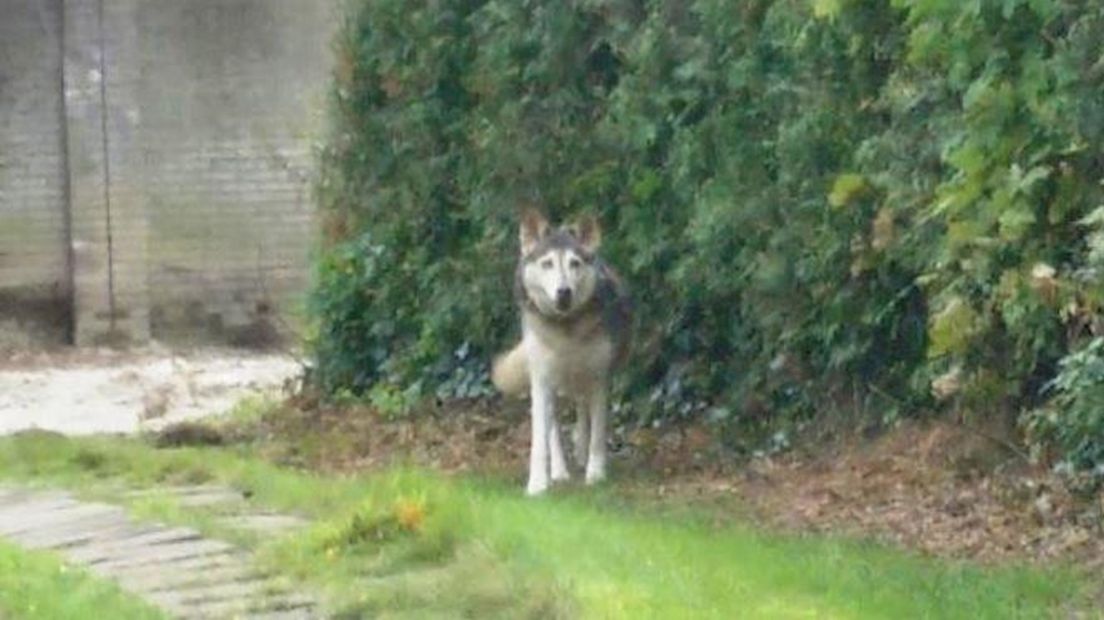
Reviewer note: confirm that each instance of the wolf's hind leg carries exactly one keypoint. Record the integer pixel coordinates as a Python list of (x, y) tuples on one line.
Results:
[(581, 433)]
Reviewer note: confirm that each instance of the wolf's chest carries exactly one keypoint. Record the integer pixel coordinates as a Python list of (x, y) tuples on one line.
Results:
[(570, 358)]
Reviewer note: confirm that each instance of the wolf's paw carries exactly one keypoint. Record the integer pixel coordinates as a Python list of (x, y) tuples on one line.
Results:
[(594, 475), (561, 476), (536, 487)]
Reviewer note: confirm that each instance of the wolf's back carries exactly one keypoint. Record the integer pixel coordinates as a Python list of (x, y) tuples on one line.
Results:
[(510, 372), (616, 305)]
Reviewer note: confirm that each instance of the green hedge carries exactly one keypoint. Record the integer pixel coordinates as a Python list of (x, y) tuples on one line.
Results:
[(815, 202)]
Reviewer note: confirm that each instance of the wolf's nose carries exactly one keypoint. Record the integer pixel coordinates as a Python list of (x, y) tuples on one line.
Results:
[(563, 298)]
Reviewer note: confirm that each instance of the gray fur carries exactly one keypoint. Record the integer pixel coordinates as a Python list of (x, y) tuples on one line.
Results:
[(576, 317), (611, 301)]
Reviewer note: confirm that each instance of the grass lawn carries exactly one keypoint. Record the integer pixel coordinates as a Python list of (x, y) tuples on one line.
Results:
[(37, 586), (410, 543)]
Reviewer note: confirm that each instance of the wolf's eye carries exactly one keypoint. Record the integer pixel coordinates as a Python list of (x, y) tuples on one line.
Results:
[(546, 264), (574, 263)]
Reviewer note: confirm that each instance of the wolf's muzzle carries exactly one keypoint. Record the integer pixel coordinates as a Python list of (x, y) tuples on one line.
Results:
[(563, 299)]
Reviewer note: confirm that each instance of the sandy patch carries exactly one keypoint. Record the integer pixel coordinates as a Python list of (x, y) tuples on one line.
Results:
[(103, 392)]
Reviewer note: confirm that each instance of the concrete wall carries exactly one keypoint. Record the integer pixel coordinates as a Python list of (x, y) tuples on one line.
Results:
[(187, 127), (229, 92), (34, 272)]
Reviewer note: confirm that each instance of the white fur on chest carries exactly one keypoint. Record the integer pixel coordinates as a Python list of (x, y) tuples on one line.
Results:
[(570, 363)]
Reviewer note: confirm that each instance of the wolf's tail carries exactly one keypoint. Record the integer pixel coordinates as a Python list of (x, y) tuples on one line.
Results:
[(510, 372)]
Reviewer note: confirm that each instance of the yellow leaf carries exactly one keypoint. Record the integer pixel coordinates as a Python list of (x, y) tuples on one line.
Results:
[(952, 328), (882, 230), (845, 189), (410, 514), (827, 9)]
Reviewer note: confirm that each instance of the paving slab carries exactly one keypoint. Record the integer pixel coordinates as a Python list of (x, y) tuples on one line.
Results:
[(248, 593), (102, 550), (160, 554), (230, 571), (61, 518), (175, 568), (75, 534)]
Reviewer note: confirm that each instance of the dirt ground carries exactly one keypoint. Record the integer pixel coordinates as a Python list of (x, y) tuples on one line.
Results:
[(933, 487), (104, 391), (936, 488)]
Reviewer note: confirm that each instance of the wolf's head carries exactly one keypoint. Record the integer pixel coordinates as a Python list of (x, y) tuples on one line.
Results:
[(558, 272)]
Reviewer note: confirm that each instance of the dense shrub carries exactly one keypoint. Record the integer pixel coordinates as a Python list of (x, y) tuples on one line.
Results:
[(1073, 422), (812, 200)]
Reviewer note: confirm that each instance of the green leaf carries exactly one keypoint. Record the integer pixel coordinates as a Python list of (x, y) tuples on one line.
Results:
[(1008, 7), (1094, 219), (1015, 221), (1023, 183)]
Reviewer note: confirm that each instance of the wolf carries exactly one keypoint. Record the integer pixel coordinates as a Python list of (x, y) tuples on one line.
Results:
[(576, 317)]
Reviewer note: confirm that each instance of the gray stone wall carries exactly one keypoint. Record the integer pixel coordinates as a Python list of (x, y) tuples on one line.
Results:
[(34, 270), (182, 156)]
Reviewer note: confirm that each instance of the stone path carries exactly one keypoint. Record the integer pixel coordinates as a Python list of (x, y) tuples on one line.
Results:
[(175, 568)]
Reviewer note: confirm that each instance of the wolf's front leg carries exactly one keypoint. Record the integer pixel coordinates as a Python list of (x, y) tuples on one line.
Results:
[(555, 444), (596, 460), (538, 449)]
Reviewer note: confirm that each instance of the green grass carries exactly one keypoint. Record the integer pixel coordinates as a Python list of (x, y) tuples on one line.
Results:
[(414, 544), (37, 586)]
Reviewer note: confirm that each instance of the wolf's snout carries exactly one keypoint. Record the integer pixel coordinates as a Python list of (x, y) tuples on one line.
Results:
[(563, 298)]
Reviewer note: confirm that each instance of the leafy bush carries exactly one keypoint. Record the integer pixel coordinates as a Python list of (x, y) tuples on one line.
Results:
[(812, 200), (1073, 422)]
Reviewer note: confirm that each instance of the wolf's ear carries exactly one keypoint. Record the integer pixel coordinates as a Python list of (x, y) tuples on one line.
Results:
[(533, 228), (587, 232)]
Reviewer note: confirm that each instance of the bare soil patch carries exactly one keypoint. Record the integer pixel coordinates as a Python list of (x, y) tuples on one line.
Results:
[(932, 487), (475, 436)]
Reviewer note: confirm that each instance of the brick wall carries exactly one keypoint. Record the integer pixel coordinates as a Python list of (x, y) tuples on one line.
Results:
[(186, 127)]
